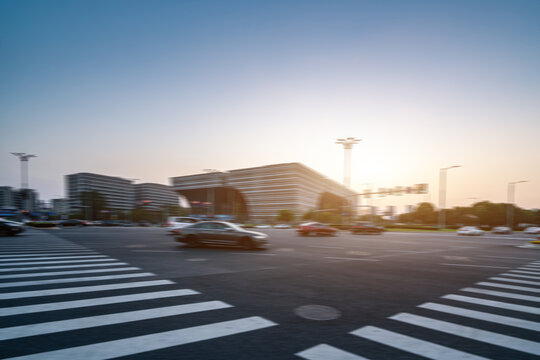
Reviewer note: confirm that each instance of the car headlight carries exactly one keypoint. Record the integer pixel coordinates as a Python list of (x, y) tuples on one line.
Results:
[(261, 236)]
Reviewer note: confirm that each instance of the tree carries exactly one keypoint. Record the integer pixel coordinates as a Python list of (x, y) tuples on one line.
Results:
[(285, 215), (425, 213), (93, 204)]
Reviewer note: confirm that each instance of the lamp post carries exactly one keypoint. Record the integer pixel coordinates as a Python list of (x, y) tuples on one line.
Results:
[(347, 146), (510, 203), (442, 194)]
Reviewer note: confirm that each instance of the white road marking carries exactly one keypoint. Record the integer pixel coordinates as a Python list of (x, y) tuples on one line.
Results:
[(525, 272), (82, 289), (60, 267), (326, 247), (504, 286), (481, 266), (497, 304), (327, 352), (529, 268), (528, 282), (109, 319), (521, 276), (489, 337), (159, 251), (507, 257), (413, 345), (72, 280), (47, 254), (52, 258), (144, 343), (28, 309), (58, 262), (499, 319), (55, 273), (347, 258), (503, 294)]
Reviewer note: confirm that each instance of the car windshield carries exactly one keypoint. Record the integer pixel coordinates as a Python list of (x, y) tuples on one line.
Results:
[(231, 225)]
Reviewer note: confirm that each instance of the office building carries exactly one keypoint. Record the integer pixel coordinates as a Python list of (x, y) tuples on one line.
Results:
[(155, 196)]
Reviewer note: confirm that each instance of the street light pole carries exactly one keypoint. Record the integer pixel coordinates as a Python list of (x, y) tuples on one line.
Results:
[(347, 146), (510, 204), (442, 194)]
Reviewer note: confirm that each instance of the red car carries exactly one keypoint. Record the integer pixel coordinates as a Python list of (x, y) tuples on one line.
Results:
[(315, 228)]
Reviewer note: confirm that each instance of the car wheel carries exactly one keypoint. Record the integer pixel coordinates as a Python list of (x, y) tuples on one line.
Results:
[(246, 243)]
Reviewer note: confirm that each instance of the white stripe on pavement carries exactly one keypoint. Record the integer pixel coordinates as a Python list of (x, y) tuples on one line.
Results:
[(52, 258), (82, 289), (88, 252), (489, 337), (72, 280), (497, 304), (413, 345), (27, 309), (481, 266), (55, 273), (109, 319), (524, 272), (504, 320), (521, 276), (60, 267), (512, 287), (503, 294), (58, 262), (327, 352), (528, 282), (529, 268), (144, 343)]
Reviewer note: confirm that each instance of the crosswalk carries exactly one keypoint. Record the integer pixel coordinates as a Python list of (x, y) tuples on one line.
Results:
[(496, 319), (51, 288)]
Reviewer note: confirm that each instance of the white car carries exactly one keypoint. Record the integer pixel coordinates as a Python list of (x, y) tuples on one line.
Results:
[(532, 230), (469, 230), (262, 226), (282, 226), (501, 230), (178, 222)]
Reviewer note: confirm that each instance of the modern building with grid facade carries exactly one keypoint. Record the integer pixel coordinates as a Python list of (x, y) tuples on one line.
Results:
[(118, 192), (155, 196), (259, 193)]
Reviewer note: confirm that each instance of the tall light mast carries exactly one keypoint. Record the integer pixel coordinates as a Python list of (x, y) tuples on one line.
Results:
[(23, 157), (347, 146)]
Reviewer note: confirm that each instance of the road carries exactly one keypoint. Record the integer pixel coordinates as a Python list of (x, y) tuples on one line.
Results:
[(96, 293)]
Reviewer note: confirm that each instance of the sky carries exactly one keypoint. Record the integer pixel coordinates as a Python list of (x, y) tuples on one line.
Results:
[(150, 90)]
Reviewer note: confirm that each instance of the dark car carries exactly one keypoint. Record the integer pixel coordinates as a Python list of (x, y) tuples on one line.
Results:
[(10, 228), (366, 227), (221, 233), (315, 228), (73, 222)]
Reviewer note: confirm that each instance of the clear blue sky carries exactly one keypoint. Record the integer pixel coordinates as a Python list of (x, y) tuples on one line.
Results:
[(155, 89)]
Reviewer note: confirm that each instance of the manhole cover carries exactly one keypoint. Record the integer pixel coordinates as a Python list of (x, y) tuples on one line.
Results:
[(317, 312)]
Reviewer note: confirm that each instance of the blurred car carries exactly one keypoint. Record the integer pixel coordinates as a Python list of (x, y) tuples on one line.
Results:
[(221, 233), (174, 223), (469, 230), (366, 227), (315, 228), (501, 230), (10, 228), (73, 222), (532, 230), (262, 226), (282, 226)]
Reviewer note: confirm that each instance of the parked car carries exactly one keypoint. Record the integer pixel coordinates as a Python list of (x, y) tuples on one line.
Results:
[(532, 230), (501, 230), (221, 233), (10, 228), (282, 226), (73, 222), (315, 228), (366, 227), (469, 230)]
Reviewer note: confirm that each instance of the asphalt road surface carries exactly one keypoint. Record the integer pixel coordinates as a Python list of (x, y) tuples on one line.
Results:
[(99, 293)]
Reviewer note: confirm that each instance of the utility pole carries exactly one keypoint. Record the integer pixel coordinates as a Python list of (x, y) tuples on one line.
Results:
[(347, 146), (23, 157), (510, 205)]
